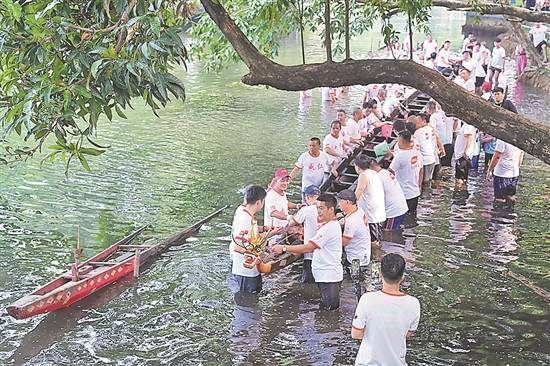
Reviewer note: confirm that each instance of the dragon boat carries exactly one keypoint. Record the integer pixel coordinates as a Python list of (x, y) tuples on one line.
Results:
[(119, 260), (347, 176)]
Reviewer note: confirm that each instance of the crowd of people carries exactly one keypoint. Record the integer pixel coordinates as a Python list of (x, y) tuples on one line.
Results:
[(339, 231)]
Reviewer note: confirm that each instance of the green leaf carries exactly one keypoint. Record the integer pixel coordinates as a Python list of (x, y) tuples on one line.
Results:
[(84, 163), (91, 151), (119, 112), (95, 67), (155, 26), (145, 50)]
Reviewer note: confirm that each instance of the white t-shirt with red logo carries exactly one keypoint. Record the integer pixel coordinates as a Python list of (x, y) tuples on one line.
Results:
[(356, 229), (243, 225), (407, 165), (394, 199), (307, 216), (326, 264), (313, 168), (425, 137), (335, 143), (275, 202)]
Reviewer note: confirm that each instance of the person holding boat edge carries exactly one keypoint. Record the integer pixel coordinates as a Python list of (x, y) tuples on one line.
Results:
[(307, 216), (326, 246)]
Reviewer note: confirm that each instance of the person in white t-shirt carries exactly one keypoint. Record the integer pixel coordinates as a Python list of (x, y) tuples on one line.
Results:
[(407, 168), (468, 41), (496, 65), (463, 152), (504, 168), (430, 61), (307, 217), (385, 319), (380, 100), (328, 94), (370, 121), (370, 196), (443, 127), (464, 80), (394, 199), (538, 36), (356, 241), (326, 246), (468, 62), (334, 144), (245, 276), (429, 46), (480, 59), (393, 103), (426, 139), (314, 164), (353, 131), (276, 203), (443, 55)]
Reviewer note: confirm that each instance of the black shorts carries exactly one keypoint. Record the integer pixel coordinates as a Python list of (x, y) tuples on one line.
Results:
[(376, 231), (307, 274), (446, 160), (412, 204), (495, 68), (479, 81), (539, 46), (330, 295), (505, 187), (462, 166)]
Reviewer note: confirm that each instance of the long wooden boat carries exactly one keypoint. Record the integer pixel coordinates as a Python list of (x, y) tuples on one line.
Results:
[(112, 264), (346, 178)]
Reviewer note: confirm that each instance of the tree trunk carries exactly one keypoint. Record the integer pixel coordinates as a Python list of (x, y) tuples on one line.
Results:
[(328, 36), (532, 137), (346, 25), (302, 31), (410, 37)]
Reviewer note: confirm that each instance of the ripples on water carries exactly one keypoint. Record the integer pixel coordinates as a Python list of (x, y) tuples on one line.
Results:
[(172, 171)]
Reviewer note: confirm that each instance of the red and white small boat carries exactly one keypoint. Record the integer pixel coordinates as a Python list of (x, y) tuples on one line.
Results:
[(112, 264)]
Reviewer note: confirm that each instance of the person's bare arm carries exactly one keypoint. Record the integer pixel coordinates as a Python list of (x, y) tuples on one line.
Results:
[(469, 142), (420, 176), (357, 333), (494, 161), (294, 172), (295, 249), (361, 185), (410, 334), (329, 150), (345, 240)]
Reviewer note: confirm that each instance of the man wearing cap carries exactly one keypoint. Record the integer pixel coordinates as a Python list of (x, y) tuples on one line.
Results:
[(276, 203), (370, 196), (326, 246), (315, 166), (307, 216), (356, 240)]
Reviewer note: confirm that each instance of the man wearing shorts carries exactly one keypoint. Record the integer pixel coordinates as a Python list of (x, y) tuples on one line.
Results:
[(538, 36), (504, 168)]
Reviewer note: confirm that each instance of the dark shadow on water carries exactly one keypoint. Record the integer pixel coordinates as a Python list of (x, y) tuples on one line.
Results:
[(55, 325)]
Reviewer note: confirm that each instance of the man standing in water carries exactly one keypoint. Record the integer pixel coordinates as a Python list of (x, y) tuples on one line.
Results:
[(307, 216), (315, 165), (504, 168), (407, 167), (356, 240), (384, 320), (244, 279), (370, 196), (326, 246), (426, 139), (464, 149)]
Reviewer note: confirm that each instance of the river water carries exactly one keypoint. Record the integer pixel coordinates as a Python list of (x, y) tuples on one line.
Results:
[(172, 171)]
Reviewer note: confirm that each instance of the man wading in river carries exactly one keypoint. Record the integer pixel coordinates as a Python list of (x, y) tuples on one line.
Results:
[(244, 279), (385, 319), (307, 216), (326, 246), (356, 241)]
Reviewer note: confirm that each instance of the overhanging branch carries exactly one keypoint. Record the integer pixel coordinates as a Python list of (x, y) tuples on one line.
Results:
[(532, 137)]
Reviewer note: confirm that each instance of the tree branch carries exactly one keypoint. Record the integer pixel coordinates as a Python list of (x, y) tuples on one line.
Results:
[(491, 8), (532, 137), (328, 36), (346, 25)]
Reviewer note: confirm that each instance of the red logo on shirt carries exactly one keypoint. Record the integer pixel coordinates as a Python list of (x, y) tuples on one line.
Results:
[(414, 160)]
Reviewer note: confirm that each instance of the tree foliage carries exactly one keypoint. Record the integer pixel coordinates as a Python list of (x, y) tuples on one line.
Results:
[(63, 64)]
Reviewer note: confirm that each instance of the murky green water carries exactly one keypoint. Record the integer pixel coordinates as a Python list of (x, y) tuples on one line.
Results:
[(172, 171)]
